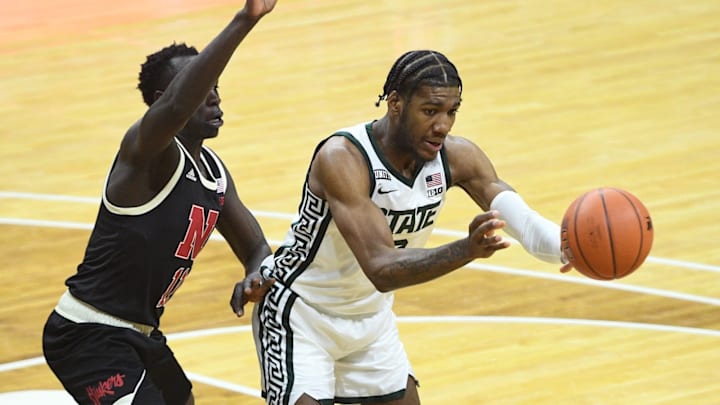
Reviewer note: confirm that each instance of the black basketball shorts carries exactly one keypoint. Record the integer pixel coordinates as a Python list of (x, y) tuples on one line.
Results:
[(100, 364)]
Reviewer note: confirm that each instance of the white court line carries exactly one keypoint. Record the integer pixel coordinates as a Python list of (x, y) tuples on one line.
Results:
[(650, 259), (20, 364), (473, 265), (498, 319), (233, 387), (82, 225), (45, 224), (595, 283), (228, 386), (96, 200), (278, 215)]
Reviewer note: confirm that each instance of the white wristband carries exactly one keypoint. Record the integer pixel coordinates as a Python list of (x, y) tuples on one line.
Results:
[(539, 236), (267, 267)]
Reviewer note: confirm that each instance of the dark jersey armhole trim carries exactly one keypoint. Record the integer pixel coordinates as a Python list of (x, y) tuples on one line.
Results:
[(357, 144), (446, 166)]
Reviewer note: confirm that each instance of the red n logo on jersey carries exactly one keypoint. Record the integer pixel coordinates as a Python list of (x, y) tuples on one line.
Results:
[(198, 232)]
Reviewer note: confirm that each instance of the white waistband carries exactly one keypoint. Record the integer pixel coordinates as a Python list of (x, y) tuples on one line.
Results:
[(77, 311)]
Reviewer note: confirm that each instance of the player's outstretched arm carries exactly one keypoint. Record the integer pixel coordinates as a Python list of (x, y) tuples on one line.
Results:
[(474, 173), (339, 175), (174, 106)]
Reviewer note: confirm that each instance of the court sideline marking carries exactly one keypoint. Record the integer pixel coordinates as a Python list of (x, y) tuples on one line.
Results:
[(269, 214), (417, 319), (473, 265), (238, 388)]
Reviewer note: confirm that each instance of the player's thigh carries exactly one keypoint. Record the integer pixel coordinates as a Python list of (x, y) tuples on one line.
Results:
[(93, 362), (293, 359), (308, 400), (377, 371), (411, 396), (103, 364), (167, 374)]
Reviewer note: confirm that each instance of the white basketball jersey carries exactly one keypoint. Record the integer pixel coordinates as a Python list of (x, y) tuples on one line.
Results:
[(315, 262)]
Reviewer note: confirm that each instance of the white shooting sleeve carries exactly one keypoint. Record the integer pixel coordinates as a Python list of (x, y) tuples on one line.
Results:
[(538, 235)]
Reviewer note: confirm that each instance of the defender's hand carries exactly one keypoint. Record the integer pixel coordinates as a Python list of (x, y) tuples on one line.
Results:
[(258, 8), (252, 289)]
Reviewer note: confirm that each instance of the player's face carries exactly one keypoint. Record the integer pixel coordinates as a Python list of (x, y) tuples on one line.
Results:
[(207, 118), (427, 118)]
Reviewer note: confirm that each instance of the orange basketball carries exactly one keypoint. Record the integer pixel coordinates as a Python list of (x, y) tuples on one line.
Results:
[(606, 233)]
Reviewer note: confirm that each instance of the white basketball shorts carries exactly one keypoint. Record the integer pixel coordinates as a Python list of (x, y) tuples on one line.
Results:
[(330, 358)]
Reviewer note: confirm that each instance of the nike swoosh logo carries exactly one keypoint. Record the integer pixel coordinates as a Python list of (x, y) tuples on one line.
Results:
[(381, 191)]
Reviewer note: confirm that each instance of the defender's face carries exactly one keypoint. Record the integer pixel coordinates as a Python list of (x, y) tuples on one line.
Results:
[(427, 118), (207, 118)]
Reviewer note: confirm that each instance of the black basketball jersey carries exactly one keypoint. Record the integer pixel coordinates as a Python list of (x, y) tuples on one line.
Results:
[(137, 257)]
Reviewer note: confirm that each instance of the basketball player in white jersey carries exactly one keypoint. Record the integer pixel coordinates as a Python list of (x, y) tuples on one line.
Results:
[(326, 330)]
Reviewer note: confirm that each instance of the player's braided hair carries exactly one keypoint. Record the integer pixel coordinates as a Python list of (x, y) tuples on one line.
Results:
[(156, 72), (416, 68)]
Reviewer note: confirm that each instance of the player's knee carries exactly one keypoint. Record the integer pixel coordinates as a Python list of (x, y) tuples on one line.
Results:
[(411, 392), (306, 399)]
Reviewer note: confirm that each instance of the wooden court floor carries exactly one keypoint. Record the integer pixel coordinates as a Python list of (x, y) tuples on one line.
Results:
[(564, 96)]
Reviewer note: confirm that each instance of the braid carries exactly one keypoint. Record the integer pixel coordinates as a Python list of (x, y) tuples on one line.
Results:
[(393, 75), (156, 72), (416, 68)]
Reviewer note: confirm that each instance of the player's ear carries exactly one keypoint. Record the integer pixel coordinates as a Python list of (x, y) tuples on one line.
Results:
[(394, 102), (157, 95)]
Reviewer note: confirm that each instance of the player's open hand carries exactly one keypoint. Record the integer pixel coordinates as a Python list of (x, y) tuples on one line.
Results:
[(252, 289), (258, 8), (483, 240)]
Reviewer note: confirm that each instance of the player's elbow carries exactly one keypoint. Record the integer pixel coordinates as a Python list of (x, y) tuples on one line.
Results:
[(381, 269), (381, 279), (384, 287)]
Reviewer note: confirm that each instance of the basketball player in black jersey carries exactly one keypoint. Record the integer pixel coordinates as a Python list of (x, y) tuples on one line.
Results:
[(163, 196)]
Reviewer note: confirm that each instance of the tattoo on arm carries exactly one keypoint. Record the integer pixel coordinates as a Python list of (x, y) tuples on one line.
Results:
[(416, 266)]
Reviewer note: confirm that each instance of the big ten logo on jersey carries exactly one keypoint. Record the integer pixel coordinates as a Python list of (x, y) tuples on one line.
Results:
[(196, 236), (381, 174)]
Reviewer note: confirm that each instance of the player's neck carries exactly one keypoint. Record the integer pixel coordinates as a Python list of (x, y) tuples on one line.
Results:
[(193, 146), (400, 158)]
